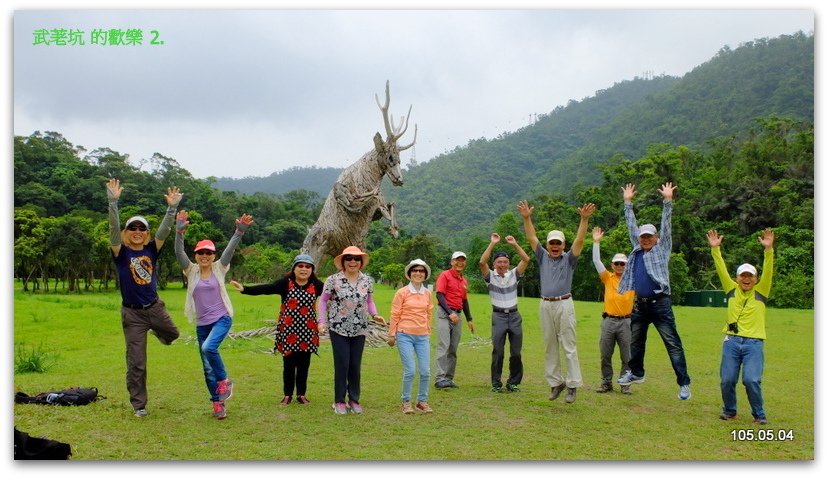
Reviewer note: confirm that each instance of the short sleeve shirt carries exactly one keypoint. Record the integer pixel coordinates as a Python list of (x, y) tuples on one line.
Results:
[(138, 274), (348, 305), (555, 274)]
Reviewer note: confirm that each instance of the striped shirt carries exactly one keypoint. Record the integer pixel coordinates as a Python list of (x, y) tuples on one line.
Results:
[(503, 288), (657, 259)]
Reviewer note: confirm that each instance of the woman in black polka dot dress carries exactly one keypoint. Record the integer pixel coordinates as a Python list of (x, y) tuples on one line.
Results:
[(297, 333)]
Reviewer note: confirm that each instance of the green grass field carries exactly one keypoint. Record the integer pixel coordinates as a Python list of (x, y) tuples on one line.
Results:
[(470, 423)]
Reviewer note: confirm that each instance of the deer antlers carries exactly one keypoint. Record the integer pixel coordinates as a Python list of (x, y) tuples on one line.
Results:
[(394, 133)]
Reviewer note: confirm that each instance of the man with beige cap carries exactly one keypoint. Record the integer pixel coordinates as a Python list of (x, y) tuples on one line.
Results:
[(557, 311), (615, 325)]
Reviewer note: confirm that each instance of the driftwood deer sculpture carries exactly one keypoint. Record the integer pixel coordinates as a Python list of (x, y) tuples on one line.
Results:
[(356, 198)]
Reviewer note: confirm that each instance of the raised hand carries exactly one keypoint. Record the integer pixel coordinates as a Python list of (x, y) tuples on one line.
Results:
[(767, 237), (587, 210), (245, 219), (495, 238), (113, 188), (667, 190), (524, 209), (173, 196), (597, 234), (629, 192), (713, 238), (511, 240), (182, 220)]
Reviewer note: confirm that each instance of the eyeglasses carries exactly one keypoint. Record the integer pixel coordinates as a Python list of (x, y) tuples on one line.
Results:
[(303, 266), (418, 270), (619, 263), (555, 243), (352, 258), (204, 251), (135, 227)]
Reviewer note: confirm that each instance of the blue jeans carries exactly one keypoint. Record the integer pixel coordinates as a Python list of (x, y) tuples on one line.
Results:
[(209, 339), (413, 347), (749, 355), (659, 312)]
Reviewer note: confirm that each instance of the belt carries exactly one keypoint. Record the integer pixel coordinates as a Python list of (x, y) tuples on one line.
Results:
[(139, 307), (504, 311), (651, 300), (554, 299), (618, 317)]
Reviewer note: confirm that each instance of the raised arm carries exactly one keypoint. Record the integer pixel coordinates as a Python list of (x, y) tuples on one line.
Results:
[(524, 257), (181, 223), (585, 211), (597, 235), (528, 228), (113, 193), (766, 239), (714, 240), (242, 223), (629, 214), (665, 238), (173, 197), (484, 259)]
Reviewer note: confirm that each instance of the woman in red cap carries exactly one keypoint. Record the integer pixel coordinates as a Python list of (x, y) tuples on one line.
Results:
[(346, 302), (208, 304)]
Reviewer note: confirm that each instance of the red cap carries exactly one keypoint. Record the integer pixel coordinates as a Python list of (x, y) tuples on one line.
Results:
[(205, 244)]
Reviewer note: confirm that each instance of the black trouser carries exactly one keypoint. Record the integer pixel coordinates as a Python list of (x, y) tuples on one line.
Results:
[(295, 373), (507, 325), (347, 355)]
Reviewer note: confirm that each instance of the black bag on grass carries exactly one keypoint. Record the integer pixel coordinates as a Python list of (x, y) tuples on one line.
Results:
[(30, 448), (69, 396)]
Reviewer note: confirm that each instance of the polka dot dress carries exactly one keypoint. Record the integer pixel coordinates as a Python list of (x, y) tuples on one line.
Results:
[(296, 331)]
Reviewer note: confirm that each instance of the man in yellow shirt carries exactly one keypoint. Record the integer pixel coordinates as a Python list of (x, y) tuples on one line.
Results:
[(615, 326), (744, 340)]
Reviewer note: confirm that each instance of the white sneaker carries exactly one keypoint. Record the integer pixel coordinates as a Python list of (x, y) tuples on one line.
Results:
[(684, 392)]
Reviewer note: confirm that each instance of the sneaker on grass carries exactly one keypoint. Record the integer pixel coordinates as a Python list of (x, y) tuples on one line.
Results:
[(684, 392), (219, 411), (629, 378)]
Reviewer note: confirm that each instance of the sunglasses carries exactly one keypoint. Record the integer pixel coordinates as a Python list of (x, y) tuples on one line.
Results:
[(352, 258), (418, 270), (619, 263), (204, 252), (133, 227), (555, 243), (303, 266)]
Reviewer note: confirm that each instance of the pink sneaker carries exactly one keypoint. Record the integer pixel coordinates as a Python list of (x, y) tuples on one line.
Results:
[(224, 389), (219, 411), (355, 407), (339, 408)]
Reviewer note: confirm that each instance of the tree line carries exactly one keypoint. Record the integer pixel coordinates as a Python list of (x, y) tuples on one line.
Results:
[(738, 184)]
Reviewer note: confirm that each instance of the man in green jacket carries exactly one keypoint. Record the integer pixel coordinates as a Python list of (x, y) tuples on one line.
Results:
[(744, 340)]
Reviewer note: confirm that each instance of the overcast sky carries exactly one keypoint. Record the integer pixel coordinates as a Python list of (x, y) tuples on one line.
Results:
[(250, 92)]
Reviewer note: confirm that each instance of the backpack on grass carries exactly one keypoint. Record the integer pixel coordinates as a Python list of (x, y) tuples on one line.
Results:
[(32, 448), (69, 396)]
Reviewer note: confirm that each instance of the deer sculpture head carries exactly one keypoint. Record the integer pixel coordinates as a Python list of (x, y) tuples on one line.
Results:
[(388, 152)]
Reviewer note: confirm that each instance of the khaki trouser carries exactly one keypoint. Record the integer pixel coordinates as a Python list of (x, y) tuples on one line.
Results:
[(557, 320), (136, 323)]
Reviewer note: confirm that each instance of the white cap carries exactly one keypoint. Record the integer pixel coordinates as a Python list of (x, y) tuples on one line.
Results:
[(647, 229), (745, 268), (136, 219), (458, 254), (619, 258), (555, 235)]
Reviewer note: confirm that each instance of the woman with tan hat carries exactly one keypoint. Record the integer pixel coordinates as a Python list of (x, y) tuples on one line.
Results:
[(344, 307), (208, 305), (410, 330)]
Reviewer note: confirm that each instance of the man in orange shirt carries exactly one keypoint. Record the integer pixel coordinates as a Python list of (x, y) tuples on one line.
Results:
[(452, 298), (615, 327)]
